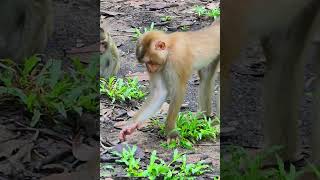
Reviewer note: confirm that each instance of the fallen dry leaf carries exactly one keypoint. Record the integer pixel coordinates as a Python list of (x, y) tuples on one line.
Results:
[(83, 152), (131, 113), (6, 134)]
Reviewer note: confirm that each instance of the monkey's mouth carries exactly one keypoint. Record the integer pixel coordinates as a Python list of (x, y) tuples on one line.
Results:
[(152, 67)]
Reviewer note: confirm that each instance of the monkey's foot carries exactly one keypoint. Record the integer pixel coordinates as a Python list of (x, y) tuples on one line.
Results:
[(173, 136)]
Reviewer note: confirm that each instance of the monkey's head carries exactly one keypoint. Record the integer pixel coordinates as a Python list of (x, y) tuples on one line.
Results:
[(104, 41), (152, 49)]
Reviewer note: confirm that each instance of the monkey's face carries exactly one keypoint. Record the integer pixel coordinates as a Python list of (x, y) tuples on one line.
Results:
[(152, 51)]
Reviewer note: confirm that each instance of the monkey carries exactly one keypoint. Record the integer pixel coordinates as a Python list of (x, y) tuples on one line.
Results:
[(283, 28), (26, 26), (109, 57), (170, 59)]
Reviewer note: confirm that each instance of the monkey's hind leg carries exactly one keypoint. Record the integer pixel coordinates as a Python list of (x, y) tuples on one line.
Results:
[(175, 104), (207, 76), (282, 92)]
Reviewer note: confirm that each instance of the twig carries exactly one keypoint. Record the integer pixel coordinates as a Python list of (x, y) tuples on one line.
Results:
[(102, 145), (44, 131)]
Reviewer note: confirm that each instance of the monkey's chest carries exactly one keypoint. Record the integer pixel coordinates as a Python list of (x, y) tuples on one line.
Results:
[(201, 63)]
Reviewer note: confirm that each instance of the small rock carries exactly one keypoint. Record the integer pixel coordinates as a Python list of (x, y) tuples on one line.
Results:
[(186, 23)]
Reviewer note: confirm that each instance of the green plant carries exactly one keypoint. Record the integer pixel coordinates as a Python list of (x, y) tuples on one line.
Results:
[(106, 170), (184, 28), (240, 165), (166, 18), (192, 128), (138, 33), (214, 13), (315, 170), (177, 168), (127, 157), (120, 89), (46, 90), (200, 10), (155, 169)]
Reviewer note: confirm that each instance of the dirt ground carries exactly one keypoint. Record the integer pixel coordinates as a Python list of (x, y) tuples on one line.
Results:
[(119, 18)]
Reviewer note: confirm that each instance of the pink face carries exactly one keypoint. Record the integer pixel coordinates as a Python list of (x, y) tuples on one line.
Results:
[(150, 52)]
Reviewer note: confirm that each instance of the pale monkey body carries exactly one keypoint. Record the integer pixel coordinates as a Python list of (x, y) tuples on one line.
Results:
[(170, 60), (109, 58)]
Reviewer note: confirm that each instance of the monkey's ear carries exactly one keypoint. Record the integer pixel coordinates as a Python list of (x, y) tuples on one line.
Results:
[(160, 45)]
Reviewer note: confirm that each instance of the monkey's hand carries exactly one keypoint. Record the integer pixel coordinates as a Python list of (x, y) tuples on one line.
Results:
[(129, 129)]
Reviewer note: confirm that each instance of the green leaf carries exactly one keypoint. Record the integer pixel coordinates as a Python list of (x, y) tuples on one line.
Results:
[(78, 65), (55, 73), (35, 118), (31, 98), (61, 109), (29, 64), (14, 92), (7, 78)]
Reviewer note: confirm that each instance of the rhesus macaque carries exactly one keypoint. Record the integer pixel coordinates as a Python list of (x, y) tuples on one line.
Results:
[(284, 29), (25, 27), (170, 60), (109, 58)]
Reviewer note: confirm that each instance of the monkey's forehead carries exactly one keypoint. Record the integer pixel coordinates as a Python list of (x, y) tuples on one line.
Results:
[(153, 35)]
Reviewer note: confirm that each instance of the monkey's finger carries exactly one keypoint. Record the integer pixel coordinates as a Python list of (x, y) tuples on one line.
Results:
[(122, 136)]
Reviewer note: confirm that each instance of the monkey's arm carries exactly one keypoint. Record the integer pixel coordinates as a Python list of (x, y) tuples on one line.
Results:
[(150, 107)]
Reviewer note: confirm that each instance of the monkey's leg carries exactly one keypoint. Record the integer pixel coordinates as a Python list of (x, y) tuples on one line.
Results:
[(175, 103), (283, 90), (205, 89), (284, 83)]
